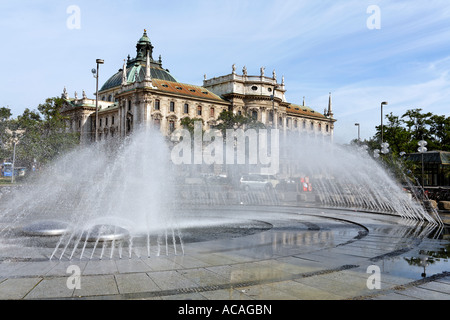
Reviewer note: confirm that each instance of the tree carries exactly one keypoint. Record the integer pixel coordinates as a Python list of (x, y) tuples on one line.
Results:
[(440, 131), (41, 133), (230, 120), (188, 124), (5, 114), (398, 135), (403, 133)]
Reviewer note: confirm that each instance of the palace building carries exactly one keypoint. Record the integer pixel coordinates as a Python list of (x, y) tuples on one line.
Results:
[(143, 92)]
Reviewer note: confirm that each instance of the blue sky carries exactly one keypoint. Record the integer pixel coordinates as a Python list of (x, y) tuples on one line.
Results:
[(319, 46)]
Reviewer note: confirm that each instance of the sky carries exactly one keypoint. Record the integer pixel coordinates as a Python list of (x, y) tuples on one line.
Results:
[(362, 51)]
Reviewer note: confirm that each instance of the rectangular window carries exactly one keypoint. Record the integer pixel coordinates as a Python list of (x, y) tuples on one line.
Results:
[(157, 104), (211, 112), (199, 110), (157, 123), (171, 126), (172, 106), (255, 115), (106, 121), (112, 120), (186, 108)]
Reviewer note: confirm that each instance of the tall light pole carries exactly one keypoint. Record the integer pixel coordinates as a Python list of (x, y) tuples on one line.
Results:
[(272, 96), (382, 104), (359, 137), (98, 61), (422, 149), (13, 161)]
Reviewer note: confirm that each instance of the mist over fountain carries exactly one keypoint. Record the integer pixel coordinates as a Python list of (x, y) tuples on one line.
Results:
[(107, 192), (349, 177), (120, 199)]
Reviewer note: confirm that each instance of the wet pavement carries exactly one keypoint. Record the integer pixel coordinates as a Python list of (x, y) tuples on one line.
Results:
[(246, 253)]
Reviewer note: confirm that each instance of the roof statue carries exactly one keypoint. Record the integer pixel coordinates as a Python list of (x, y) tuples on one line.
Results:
[(124, 73)]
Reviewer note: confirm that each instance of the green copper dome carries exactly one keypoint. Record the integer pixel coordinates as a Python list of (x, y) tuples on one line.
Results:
[(136, 67), (139, 71)]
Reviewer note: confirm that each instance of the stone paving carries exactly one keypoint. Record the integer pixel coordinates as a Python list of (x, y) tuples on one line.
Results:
[(307, 254)]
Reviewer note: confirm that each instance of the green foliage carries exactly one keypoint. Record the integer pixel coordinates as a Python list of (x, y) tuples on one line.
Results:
[(5, 114), (226, 120), (41, 134), (230, 120), (404, 132), (188, 124)]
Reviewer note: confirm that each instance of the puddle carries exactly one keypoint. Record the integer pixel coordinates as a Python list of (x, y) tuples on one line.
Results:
[(418, 264)]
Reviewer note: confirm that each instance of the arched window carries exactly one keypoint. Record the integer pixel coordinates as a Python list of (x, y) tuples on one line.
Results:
[(255, 115)]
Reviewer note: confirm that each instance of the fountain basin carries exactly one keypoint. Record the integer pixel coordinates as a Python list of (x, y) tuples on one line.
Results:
[(105, 232), (46, 228)]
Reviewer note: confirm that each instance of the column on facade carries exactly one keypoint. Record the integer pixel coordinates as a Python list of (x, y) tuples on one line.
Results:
[(275, 119), (119, 112), (135, 108), (123, 118), (147, 112), (84, 132), (263, 114)]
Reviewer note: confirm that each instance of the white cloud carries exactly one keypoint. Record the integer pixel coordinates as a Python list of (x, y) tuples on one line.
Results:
[(362, 104)]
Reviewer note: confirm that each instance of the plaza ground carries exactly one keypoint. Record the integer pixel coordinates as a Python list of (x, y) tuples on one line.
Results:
[(305, 254)]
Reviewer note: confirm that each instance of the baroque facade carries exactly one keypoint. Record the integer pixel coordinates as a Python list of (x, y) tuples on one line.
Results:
[(142, 92)]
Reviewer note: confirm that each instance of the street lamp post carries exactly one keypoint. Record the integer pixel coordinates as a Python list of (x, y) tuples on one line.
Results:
[(98, 61), (13, 161), (359, 137), (382, 104), (272, 96), (422, 149)]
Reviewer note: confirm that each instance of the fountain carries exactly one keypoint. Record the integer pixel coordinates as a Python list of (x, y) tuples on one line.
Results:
[(106, 194), (128, 199)]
